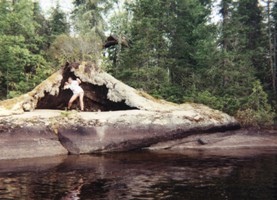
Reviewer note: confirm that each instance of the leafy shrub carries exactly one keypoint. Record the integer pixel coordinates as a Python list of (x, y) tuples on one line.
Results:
[(205, 98), (256, 111), (250, 117), (72, 49)]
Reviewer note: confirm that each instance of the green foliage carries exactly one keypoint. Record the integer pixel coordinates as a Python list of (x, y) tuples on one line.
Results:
[(88, 17), (206, 98), (174, 53), (66, 114), (170, 35), (22, 65), (213, 64), (58, 22), (253, 110), (169, 92), (74, 49), (250, 117), (89, 26), (256, 110), (22, 69), (226, 103), (154, 80)]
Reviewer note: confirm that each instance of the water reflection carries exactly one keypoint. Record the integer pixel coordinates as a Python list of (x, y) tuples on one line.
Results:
[(144, 175), (73, 193)]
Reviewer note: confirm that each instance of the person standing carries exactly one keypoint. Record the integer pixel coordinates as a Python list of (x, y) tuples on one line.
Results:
[(74, 86)]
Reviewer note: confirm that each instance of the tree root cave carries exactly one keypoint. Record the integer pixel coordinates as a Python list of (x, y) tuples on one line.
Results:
[(95, 98)]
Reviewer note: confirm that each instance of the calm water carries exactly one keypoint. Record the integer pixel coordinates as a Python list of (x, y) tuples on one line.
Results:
[(184, 175)]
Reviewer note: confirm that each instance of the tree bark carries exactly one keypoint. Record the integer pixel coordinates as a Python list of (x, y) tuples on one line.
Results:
[(270, 45), (274, 54)]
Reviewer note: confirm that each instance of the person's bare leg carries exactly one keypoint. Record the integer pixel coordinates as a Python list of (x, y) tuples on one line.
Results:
[(81, 98), (72, 99)]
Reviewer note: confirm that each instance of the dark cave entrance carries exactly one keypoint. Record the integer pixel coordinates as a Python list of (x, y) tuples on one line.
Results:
[(95, 98)]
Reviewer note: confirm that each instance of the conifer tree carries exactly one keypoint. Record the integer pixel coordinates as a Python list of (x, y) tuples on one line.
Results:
[(21, 63), (89, 24), (88, 17), (58, 22), (274, 38)]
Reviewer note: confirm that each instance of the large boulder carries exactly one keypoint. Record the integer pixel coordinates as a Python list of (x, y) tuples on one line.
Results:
[(135, 129), (117, 117)]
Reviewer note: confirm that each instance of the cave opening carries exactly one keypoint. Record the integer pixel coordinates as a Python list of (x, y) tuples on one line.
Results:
[(95, 98)]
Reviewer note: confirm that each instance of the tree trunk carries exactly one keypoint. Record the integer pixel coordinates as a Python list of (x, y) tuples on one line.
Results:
[(274, 14), (225, 13), (270, 45)]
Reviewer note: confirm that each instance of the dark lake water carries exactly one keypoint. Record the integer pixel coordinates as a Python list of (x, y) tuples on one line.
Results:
[(189, 175)]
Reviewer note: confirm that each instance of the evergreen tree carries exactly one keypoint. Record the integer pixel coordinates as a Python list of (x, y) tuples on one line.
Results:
[(169, 38), (42, 28), (252, 38), (225, 11), (230, 75), (21, 64), (145, 63), (89, 23), (192, 43), (88, 17), (274, 15), (249, 15), (58, 22), (271, 13)]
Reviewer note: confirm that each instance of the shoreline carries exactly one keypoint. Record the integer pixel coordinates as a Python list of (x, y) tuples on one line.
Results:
[(44, 133)]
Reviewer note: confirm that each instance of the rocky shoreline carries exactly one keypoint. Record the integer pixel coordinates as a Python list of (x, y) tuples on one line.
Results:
[(118, 118), (227, 141), (53, 132)]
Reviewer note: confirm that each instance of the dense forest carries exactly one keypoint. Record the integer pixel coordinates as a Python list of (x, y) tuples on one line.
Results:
[(173, 49)]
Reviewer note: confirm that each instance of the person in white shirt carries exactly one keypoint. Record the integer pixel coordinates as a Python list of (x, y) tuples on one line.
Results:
[(74, 85)]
